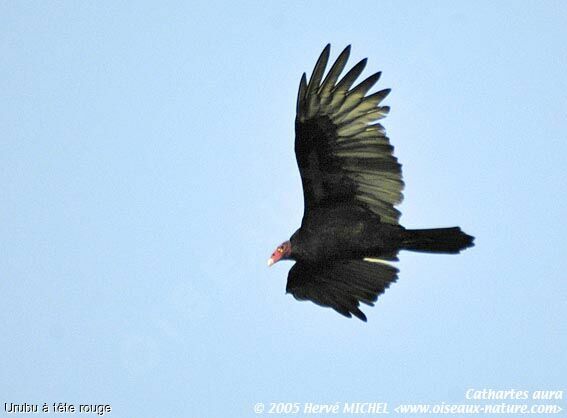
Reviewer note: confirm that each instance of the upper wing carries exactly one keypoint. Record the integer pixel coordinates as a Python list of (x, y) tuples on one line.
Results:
[(342, 155), (341, 285)]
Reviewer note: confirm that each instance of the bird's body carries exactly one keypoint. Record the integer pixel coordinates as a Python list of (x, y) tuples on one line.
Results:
[(351, 183), (344, 232)]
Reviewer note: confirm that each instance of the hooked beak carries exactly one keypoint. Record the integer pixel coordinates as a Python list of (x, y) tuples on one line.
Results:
[(271, 262)]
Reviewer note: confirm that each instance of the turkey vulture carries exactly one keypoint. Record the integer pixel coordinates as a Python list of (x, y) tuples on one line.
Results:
[(351, 183)]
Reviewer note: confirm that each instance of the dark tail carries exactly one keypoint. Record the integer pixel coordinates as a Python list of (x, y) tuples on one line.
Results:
[(438, 240)]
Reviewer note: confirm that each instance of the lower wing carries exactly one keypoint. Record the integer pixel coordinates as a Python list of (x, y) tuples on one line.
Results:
[(341, 285)]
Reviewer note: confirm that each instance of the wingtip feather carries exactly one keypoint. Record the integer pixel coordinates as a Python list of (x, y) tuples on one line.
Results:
[(350, 77), (319, 70), (301, 92), (336, 69)]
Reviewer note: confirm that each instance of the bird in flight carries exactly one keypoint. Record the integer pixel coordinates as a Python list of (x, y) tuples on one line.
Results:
[(351, 183)]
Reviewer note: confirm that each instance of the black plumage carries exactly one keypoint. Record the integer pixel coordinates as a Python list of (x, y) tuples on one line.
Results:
[(351, 183)]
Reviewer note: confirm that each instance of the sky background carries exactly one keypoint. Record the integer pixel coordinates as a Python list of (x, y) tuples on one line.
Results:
[(147, 172)]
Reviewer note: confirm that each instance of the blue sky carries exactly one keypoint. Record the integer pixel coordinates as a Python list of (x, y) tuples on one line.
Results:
[(147, 173)]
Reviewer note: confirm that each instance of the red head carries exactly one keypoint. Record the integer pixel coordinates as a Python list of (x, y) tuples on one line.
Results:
[(281, 253)]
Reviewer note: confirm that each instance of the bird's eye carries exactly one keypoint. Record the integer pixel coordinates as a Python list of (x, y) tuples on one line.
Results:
[(280, 250)]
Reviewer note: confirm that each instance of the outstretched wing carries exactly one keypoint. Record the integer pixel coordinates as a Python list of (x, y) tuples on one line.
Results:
[(342, 154), (341, 285)]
